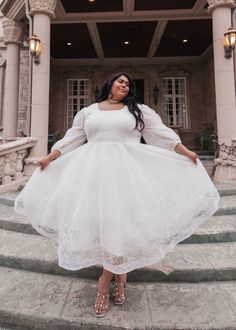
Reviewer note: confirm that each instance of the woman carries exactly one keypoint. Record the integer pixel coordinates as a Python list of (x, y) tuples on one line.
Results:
[(114, 201)]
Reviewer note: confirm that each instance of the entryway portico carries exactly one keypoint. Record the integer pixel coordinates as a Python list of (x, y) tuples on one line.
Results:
[(95, 56)]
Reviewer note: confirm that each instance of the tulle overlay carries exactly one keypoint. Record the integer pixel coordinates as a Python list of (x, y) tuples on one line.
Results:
[(122, 205)]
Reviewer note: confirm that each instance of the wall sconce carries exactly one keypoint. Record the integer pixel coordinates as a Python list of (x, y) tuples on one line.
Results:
[(155, 94), (35, 46), (229, 42), (96, 93)]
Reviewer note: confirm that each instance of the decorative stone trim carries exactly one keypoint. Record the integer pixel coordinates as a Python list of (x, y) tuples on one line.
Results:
[(227, 154), (225, 170), (174, 71), (12, 165), (43, 6), (30, 165), (13, 31), (220, 3)]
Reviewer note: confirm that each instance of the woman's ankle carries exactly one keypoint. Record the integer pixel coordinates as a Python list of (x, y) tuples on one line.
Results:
[(103, 284), (121, 278)]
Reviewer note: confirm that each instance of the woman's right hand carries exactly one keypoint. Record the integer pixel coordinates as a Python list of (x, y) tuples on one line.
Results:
[(44, 162)]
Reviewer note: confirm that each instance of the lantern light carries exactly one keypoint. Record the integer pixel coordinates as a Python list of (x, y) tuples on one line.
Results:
[(229, 42), (35, 47)]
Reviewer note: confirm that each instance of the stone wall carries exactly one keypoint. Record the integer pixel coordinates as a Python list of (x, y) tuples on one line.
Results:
[(2, 70), (23, 88), (209, 88), (200, 85), (23, 84), (23, 93)]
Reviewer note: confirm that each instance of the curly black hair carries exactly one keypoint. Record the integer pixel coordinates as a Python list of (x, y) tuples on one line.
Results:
[(130, 100)]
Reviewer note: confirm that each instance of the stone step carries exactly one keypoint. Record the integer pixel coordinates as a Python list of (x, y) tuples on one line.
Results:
[(41, 301), (216, 229), (8, 198), (226, 189), (227, 205), (187, 262), (10, 220)]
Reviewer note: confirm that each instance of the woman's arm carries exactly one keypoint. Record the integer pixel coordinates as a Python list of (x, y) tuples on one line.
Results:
[(181, 149), (155, 132), (43, 163), (74, 137)]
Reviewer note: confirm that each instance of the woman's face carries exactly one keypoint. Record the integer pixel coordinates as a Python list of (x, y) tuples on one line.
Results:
[(120, 88)]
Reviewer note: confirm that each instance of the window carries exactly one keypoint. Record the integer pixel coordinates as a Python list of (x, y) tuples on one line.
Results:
[(78, 97), (175, 102)]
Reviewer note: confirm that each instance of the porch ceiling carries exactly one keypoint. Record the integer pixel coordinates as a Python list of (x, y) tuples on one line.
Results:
[(79, 37), (151, 29), (197, 32), (163, 4), (154, 29), (83, 6)]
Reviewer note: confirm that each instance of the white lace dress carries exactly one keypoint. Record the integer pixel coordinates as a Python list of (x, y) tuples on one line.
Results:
[(114, 201)]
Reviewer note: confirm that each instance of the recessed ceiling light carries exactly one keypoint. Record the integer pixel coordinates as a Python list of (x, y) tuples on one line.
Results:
[(69, 43), (91, 0), (126, 42), (185, 40)]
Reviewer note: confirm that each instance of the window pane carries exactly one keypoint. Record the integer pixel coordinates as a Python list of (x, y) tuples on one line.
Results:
[(174, 101), (78, 97)]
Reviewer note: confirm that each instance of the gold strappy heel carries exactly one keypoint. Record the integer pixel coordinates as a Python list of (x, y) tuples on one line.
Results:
[(101, 305), (117, 292)]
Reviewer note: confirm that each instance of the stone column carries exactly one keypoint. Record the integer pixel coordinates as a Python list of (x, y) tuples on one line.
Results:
[(13, 39), (221, 11), (42, 12), (2, 74)]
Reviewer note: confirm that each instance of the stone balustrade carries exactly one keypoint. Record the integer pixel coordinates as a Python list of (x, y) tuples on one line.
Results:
[(13, 152), (226, 163)]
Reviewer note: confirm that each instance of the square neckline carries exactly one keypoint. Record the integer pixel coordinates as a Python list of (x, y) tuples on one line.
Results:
[(117, 110)]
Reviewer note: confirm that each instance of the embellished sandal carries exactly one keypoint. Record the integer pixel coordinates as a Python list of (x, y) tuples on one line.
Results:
[(117, 292), (100, 307)]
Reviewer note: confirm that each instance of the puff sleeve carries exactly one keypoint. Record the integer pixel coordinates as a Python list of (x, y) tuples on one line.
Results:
[(74, 137), (155, 132)]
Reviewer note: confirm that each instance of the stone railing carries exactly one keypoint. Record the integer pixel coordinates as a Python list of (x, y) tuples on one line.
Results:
[(226, 163), (12, 155), (227, 154)]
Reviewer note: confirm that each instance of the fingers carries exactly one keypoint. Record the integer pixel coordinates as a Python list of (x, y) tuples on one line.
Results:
[(41, 165), (195, 159)]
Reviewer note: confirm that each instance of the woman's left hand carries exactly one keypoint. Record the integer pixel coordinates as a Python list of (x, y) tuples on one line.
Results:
[(181, 149), (192, 156)]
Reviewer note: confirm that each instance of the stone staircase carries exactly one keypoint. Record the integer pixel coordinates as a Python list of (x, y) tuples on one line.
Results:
[(194, 287)]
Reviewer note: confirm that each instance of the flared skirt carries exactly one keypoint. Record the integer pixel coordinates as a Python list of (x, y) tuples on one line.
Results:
[(119, 205)]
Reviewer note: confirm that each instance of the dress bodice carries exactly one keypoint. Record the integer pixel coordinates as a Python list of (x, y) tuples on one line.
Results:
[(111, 126), (94, 125)]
